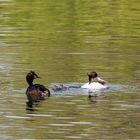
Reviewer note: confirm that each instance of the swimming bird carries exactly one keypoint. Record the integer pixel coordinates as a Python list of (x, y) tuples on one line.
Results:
[(100, 84), (35, 92)]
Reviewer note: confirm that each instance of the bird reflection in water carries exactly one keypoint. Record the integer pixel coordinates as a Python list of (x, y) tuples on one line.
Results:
[(30, 106), (94, 96)]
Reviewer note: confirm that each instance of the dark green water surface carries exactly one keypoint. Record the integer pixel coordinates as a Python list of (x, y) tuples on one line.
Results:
[(62, 40)]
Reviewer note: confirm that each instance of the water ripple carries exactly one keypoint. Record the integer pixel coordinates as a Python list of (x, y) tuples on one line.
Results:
[(17, 117), (128, 106), (73, 137), (61, 124), (83, 123), (40, 115)]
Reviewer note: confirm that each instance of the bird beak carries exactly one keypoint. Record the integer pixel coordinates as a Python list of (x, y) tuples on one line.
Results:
[(38, 77), (89, 79)]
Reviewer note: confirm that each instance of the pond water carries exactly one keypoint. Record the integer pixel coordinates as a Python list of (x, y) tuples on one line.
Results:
[(62, 41)]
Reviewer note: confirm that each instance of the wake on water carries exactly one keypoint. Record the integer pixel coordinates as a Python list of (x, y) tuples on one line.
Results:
[(75, 88)]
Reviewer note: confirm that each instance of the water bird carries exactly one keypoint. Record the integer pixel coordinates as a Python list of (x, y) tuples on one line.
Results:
[(35, 92), (99, 85)]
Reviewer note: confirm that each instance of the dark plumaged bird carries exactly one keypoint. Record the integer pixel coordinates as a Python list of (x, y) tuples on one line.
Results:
[(35, 92)]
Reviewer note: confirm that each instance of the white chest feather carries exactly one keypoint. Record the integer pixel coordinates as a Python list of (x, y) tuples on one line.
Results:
[(94, 85)]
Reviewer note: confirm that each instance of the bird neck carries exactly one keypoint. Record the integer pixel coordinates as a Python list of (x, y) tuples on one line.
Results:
[(30, 83), (29, 80)]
